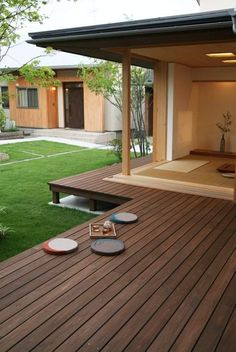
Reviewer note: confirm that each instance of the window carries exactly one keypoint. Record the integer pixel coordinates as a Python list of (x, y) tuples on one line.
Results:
[(27, 97), (5, 97)]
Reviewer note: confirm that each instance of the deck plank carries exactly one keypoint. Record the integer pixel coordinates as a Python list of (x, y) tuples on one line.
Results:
[(173, 288)]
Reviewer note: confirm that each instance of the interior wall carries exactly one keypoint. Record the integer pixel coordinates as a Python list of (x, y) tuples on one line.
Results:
[(184, 111), (215, 98)]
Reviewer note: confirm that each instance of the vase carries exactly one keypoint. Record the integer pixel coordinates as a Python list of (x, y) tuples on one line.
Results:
[(222, 143)]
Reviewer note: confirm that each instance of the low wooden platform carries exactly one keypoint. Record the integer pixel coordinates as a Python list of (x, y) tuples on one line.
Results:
[(216, 153), (92, 186), (173, 289)]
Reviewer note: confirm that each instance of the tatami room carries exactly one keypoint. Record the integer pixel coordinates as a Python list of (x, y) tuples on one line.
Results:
[(200, 111)]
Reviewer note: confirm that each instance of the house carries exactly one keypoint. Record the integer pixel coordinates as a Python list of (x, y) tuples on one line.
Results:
[(173, 289), (192, 87), (70, 105)]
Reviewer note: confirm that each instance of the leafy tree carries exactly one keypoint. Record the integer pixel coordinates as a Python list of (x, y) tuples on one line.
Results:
[(105, 78), (14, 14)]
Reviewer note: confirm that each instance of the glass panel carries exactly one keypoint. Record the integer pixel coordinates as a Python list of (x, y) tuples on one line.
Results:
[(27, 97), (22, 97), (32, 98), (5, 98)]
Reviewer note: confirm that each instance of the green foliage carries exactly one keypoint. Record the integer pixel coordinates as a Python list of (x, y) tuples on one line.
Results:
[(2, 119), (4, 230), (13, 16), (116, 145), (2, 210), (41, 76), (105, 78)]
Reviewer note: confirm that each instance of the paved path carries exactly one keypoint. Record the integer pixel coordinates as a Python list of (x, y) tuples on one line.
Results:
[(55, 139)]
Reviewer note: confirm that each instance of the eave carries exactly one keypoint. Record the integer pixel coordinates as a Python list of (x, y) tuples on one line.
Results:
[(102, 41)]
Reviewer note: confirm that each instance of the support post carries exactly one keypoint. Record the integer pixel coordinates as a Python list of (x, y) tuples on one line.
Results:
[(234, 196), (126, 114), (159, 111), (92, 204), (55, 197)]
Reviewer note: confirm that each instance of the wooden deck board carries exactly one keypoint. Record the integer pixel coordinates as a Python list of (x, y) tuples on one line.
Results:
[(91, 185), (173, 289)]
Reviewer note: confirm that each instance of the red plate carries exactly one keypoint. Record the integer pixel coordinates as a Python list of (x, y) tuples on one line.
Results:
[(60, 246)]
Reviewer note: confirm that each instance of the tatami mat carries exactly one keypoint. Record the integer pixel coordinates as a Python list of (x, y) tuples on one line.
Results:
[(182, 165)]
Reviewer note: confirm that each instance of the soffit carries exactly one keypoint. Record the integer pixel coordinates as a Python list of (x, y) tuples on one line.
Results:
[(190, 55)]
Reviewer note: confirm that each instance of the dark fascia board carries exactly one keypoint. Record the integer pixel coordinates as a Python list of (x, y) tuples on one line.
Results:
[(93, 40), (170, 23)]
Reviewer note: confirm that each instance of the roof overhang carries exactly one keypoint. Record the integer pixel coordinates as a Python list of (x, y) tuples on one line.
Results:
[(109, 41)]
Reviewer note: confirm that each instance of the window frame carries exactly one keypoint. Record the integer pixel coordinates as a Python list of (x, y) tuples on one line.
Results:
[(27, 89), (5, 105)]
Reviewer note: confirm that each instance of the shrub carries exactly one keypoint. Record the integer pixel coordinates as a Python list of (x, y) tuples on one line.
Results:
[(116, 145), (4, 230), (2, 119)]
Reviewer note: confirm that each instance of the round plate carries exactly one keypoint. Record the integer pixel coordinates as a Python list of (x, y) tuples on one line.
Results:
[(123, 218), (107, 246), (60, 246)]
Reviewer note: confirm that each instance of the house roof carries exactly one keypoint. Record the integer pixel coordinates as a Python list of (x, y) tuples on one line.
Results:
[(108, 41)]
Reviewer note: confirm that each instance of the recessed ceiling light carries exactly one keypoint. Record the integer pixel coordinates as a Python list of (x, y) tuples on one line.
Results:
[(229, 61), (220, 55)]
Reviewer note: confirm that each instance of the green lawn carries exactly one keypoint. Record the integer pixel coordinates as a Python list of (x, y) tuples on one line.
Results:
[(25, 194)]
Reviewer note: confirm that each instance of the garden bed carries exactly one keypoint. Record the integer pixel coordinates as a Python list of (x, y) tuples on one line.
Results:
[(11, 135)]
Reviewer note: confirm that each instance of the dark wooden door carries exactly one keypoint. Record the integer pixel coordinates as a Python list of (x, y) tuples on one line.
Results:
[(74, 105)]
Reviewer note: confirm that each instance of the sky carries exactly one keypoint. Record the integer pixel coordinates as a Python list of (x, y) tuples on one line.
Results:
[(68, 14)]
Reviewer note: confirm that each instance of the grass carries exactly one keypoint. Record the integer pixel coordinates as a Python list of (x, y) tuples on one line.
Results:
[(25, 193)]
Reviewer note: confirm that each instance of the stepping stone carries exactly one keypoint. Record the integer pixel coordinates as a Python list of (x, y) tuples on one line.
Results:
[(4, 156)]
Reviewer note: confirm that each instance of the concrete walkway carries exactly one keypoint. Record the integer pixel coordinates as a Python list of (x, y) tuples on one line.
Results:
[(75, 134), (58, 140)]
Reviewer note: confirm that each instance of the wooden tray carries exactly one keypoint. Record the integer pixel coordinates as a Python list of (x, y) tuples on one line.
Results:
[(96, 231)]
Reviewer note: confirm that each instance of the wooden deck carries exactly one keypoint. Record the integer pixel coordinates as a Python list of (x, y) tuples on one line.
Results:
[(173, 289), (92, 186)]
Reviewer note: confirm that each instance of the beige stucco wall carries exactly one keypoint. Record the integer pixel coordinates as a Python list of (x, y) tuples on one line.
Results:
[(113, 117), (60, 99), (200, 97), (215, 98), (214, 74), (184, 111), (209, 5)]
